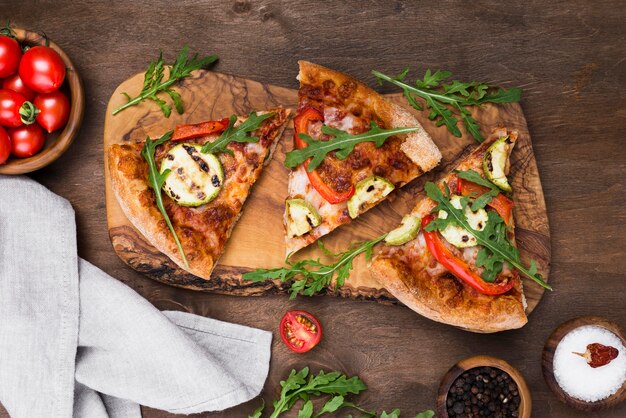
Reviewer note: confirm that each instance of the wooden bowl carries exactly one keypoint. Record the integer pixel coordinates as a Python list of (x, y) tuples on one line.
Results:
[(56, 142), (525, 407), (548, 367)]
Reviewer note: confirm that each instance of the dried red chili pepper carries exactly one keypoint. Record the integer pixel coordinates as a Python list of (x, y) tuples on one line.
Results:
[(598, 355)]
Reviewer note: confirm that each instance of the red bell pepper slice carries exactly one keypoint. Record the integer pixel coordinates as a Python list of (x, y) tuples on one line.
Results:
[(199, 129), (501, 204), (300, 123), (457, 266)]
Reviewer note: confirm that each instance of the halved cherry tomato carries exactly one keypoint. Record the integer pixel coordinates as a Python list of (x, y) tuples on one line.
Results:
[(26, 140), (501, 204), (54, 110), (199, 129), (300, 123), (300, 331), (459, 267), (15, 110), (42, 69), (16, 84), (5, 145), (10, 54)]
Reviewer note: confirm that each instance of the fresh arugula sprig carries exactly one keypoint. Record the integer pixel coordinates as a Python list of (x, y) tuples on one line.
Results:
[(483, 200), (156, 180), (153, 82), (302, 386), (236, 134), (315, 275), (444, 100), (496, 247), (343, 143)]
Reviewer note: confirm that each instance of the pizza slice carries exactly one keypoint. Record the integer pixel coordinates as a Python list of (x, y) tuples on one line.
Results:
[(345, 184), (438, 268), (211, 168)]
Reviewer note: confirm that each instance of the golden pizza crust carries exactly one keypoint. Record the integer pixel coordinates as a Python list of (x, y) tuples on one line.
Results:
[(128, 172), (413, 276)]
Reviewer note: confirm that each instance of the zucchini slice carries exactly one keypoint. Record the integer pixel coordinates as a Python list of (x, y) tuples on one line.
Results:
[(367, 193), (195, 178), (460, 237), (495, 163), (300, 217), (407, 231)]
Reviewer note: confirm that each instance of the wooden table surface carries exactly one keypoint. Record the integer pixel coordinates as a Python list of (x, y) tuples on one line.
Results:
[(570, 58)]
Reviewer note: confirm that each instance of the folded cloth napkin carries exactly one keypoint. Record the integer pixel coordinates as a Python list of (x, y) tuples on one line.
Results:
[(76, 342)]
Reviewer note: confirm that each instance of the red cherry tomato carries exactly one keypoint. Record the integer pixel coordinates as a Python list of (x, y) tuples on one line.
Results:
[(16, 84), (42, 69), (5, 145), (10, 54), (300, 331), (15, 110), (26, 140), (54, 110)]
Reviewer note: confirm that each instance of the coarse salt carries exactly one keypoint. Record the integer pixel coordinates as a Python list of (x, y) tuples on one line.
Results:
[(580, 380)]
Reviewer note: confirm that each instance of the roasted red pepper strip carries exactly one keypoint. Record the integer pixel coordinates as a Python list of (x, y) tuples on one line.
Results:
[(501, 204), (300, 123), (457, 266), (199, 129)]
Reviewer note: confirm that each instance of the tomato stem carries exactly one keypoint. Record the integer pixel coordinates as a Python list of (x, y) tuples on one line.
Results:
[(28, 113)]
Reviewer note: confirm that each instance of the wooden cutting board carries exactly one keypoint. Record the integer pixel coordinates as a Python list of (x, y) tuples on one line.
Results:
[(257, 240)]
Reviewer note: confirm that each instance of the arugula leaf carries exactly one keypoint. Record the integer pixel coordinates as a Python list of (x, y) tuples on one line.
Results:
[(156, 180), (297, 386), (259, 411), (484, 199), (153, 82), (393, 414), (425, 414), (343, 143), (236, 134), (315, 275), (444, 99), (498, 248)]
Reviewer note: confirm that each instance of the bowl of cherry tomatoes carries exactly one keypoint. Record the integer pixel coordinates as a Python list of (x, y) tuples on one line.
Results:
[(41, 101)]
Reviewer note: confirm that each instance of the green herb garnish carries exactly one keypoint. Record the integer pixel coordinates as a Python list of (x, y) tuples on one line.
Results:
[(236, 134), (153, 81), (304, 386), (315, 275), (343, 143), (446, 101), (496, 247), (483, 200), (156, 180)]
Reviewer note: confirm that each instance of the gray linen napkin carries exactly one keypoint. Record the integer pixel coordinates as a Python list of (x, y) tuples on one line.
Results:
[(76, 342)]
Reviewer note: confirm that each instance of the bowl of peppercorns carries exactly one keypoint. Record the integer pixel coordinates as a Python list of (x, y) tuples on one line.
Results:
[(483, 386)]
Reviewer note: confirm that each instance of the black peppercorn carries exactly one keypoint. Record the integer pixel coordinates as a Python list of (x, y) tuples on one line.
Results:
[(483, 392)]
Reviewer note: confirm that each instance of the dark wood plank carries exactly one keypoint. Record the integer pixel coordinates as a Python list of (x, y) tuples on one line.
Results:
[(569, 57)]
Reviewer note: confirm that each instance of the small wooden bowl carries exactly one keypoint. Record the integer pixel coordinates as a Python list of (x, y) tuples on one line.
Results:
[(525, 407), (56, 142), (548, 367)]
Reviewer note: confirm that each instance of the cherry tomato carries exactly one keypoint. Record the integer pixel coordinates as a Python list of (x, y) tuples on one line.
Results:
[(26, 140), (54, 110), (300, 331), (16, 84), (42, 69), (10, 54), (5, 145), (15, 110)]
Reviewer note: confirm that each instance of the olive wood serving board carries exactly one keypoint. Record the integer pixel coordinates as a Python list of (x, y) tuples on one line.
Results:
[(257, 240)]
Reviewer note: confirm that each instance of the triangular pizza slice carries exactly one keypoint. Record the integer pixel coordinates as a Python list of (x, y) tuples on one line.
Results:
[(343, 186), (212, 166), (441, 271)]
